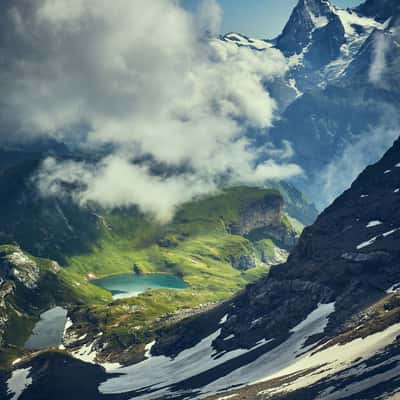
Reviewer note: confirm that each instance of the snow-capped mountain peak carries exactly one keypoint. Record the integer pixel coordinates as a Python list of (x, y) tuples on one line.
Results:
[(245, 41), (321, 40), (307, 17)]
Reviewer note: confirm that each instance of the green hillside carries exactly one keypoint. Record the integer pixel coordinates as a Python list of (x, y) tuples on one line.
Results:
[(217, 245)]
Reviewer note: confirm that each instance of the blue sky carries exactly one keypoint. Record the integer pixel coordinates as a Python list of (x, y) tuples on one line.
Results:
[(260, 18)]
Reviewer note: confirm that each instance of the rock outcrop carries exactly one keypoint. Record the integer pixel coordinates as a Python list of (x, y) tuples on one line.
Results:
[(265, 213), (15, 265)]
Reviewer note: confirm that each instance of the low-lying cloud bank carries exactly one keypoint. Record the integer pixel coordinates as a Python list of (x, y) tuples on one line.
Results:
[(368, 149), (144, 78)]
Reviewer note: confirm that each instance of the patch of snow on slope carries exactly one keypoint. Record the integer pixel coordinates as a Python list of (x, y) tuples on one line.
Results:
[(372, 224), (148, 348), (332, 360), (293, 85), (393, 289), (86, 353), (18, 382), (224, 319), (362, 385), (389, 233), (65, 337), (240, 40), (350, 18), (367, 243), (280, 357), (373, 240), (319, 21), (321, 311), (354, 40), (160, 372)]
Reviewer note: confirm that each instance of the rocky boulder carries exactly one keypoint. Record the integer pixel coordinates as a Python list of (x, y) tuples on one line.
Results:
[(16, 266)]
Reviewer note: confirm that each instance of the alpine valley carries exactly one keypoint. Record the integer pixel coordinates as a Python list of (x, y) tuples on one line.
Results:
[(286, 287)]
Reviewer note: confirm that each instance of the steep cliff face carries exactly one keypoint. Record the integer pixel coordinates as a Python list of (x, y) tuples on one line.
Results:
[(308, 17), (16, 269), (266, 212)]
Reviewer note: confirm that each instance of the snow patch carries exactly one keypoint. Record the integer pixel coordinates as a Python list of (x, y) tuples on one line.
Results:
[(224, 319), (367, 243), (159, 373), (293, 85), (389, 233), (256, 321), (316, 315), (86, 353), (349, 19), (332, 360), (19, 381), (393, 289), (240, 40), (371, 224), (148, 348)]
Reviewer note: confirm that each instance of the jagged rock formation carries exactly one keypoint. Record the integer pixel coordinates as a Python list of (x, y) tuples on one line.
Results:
[(16, 265), (315, 29)]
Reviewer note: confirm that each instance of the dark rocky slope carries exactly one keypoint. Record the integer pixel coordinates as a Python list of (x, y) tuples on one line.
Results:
[(326, 264), (333, 262)]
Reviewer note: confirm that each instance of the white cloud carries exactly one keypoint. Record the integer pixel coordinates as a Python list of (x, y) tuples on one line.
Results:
[(378, 65), (209, 17), (344, 169), (117, 183), (139, 76)]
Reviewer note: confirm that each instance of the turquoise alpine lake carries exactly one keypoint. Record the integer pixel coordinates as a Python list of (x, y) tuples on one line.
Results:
[(129, 285)]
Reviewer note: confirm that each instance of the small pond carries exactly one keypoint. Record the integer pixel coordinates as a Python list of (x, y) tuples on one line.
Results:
[(49, 330), (129, 285)]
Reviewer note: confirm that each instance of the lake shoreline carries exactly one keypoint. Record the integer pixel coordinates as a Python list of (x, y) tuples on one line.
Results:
[(128, 285)]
